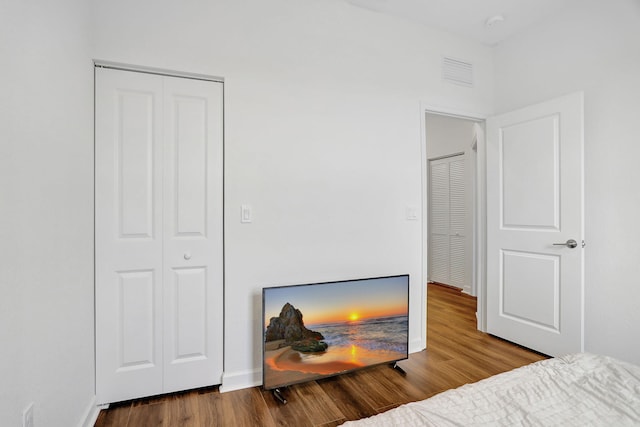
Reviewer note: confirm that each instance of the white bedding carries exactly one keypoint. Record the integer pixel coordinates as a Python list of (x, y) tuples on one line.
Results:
[(575, 390)]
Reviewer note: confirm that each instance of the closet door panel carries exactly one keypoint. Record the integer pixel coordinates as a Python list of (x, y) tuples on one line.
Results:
[(439, 222), (128, 233), (193, 233), (447, 221)]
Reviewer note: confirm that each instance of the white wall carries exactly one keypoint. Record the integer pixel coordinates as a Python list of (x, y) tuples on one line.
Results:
[(46, 212), (446, 136), (595, 48), (322, 137)]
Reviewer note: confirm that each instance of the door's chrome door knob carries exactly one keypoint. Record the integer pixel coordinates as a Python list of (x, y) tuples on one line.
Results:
[(569, 243)]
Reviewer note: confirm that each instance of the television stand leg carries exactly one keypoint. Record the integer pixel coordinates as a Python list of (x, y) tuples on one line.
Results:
[(397, 367), (277, 393)]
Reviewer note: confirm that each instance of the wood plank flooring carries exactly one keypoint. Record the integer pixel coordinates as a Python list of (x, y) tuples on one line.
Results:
[(456, 354)]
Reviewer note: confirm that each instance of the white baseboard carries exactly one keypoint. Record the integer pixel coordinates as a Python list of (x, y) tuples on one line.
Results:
[(91, 413), (239, 380)]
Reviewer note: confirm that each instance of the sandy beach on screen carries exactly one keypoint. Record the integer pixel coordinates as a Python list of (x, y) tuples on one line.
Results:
[(285, 365)]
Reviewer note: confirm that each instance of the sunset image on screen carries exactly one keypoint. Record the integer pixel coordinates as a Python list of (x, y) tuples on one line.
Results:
[(327, 328)]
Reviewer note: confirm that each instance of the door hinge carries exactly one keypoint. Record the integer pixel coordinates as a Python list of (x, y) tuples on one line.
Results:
[(583, 244)]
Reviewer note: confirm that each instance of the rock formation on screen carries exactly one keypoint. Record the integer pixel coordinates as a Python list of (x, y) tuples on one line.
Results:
[(288, 326), (309, 346)]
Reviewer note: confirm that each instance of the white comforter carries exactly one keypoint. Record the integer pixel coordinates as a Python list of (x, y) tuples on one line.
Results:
[(575, 390)]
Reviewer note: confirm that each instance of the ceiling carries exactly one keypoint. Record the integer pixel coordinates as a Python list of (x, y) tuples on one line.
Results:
[(467, 18)]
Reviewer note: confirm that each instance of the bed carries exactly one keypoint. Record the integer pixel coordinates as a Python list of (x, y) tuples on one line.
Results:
[(575, 390)]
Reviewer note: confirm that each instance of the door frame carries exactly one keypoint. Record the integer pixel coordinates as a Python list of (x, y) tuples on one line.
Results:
[(479, 209), (99, 63)]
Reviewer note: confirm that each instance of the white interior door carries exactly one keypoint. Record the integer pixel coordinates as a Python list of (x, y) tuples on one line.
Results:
[(447, 216), (534, 206), (158, 234)]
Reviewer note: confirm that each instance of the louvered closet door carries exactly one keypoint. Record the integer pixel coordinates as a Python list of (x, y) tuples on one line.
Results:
[(447, 221), (158, 198)]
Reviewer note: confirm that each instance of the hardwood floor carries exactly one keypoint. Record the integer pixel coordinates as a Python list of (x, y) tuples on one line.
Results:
[(456, 354)]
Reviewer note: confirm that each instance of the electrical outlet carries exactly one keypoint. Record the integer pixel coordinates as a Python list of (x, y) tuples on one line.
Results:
[(27, 416)]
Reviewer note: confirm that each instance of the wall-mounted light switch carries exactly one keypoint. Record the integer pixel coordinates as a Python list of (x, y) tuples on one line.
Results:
[(246, 215), (412, 213)]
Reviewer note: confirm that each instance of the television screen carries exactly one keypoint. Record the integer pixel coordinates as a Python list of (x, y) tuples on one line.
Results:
[(318, 330)]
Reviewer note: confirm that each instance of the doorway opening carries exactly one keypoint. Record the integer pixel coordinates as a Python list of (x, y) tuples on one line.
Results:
[(453, 208)]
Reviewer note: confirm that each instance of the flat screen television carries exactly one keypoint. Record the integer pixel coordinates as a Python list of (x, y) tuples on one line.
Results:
[(318, 330)]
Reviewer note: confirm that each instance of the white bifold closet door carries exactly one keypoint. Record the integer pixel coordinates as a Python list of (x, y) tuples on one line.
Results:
[(158, 231), (447, 221)]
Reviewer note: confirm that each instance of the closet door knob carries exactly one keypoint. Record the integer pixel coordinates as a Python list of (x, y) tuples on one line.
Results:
[(187, 256)]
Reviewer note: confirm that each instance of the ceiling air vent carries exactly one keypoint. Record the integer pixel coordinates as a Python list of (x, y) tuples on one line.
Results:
[(457, 71)]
